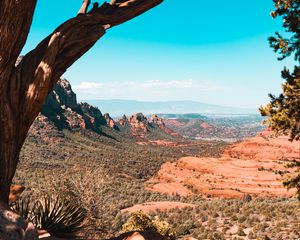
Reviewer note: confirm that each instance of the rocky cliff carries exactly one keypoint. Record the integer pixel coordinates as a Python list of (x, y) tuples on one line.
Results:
[(141, 125), (61, 108), (62, 111)]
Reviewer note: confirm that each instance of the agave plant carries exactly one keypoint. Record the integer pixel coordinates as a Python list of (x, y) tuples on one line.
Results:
[(22, 207), (58, 215)]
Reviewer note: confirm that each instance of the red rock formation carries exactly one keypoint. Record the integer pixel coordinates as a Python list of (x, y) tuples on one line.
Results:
[(62, 109), (124, 121), (109, 121), (139, 124), (265, 146), (156, 120), (92, 116), (161, 124), (249, 167)]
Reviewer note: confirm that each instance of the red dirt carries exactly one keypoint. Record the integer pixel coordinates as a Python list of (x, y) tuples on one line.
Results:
[(164, 143), (154, 206), (206, 126), (246, 168)]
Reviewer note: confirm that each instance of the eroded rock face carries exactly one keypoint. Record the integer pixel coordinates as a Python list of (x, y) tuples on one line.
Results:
[(161, 124), (92, 116), (62, 95), (123, 121), (62, 109), (139, 123), (246, 168), (265, 146), (156, 120), (109, 121)]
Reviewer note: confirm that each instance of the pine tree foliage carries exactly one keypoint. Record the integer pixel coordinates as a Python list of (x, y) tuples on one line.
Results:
[(283, 111)]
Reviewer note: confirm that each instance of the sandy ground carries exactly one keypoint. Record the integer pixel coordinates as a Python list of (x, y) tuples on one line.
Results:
[(153, 206)]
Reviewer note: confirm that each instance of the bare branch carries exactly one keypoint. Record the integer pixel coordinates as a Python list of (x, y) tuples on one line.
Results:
[(50, 59), (84, 7)]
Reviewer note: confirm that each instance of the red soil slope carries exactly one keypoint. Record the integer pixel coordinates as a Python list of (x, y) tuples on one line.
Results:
[(154, 206), (249, 167)]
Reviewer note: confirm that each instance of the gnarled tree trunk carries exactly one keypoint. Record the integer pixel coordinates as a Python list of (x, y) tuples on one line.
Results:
[(24, 86)]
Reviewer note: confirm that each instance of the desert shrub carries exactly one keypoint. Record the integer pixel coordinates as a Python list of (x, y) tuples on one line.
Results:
[(251, 235), (140, 221), (217, 236), (241, 232)]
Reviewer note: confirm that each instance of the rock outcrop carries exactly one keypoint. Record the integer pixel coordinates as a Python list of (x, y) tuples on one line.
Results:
[(265, 146), (62, 111), (123, 121), (92, 116), (156, 120), (162, 125), (247, 168), (110, 122), (139, 123), (61, 108)]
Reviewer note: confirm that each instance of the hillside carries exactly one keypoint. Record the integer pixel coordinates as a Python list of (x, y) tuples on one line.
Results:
[(75, 149), (61, 111), (229, 128), (110, 166)]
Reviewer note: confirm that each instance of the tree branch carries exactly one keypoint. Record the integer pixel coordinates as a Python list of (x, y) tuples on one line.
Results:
[(44, 65), (84, 7)]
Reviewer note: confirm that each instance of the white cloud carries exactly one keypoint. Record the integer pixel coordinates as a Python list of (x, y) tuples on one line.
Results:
[(150, 90), (88, 86)]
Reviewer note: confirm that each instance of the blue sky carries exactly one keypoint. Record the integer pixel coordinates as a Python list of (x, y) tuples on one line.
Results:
[(207, 51)]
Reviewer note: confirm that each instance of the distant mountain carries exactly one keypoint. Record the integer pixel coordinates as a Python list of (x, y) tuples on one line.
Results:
[(116, 108)]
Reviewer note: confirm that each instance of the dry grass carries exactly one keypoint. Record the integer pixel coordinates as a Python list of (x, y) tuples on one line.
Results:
[(108, 174)]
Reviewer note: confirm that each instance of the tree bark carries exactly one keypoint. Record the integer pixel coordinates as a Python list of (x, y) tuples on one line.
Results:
[(24, 86)]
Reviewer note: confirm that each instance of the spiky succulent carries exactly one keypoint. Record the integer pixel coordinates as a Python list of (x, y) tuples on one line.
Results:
[(57, 214)]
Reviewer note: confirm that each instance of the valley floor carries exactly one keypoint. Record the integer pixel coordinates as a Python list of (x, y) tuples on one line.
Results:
[(108, 174)]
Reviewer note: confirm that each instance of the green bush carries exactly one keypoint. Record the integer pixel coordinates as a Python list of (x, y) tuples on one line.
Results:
[(140, 221)]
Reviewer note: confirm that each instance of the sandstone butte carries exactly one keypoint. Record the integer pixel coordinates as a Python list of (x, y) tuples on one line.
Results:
[(250, 167)]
